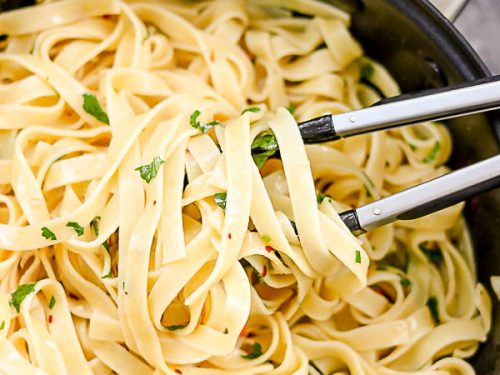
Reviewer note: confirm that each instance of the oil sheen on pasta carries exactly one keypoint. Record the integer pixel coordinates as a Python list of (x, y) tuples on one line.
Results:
[(138, 235)]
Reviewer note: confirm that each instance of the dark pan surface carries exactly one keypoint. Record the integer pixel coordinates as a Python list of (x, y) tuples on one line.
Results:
[(423, 50)]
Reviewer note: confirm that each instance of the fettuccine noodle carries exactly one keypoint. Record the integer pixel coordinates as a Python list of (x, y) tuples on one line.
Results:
[(147, 225)]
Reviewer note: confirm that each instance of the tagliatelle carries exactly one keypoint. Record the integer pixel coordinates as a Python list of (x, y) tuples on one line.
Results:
[(146, 227)]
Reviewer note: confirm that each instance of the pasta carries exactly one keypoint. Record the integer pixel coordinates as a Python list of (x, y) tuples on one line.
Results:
[(147, 226)]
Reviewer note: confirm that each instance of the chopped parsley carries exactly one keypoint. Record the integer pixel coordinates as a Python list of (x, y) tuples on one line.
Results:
[(433, 154), (220, 200), (109, 275), (48, 234), (260, 277), (106, 246), (358, 256), (92, 106), (175, 327), (291, 108), (433, 254), (321, 197), (263, 147), (367, 71), (148, 35), (266, 238), (52, 302), (256, 352), (405, 282), (150, 171), (432, 304), (2, 325), (18, 296), (193, 121), (95, 224), (77, 227), (250, 109), (413, 147)]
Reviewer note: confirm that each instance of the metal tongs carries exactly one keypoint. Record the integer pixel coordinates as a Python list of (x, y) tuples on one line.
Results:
[(431, 196)]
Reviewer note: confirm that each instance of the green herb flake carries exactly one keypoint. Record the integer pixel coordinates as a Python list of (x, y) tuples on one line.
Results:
[(92, 106), (266, 238), (321, 197), (432, 304), (48, 234), (109, 275), (260, 278), (106, 246), (2, 325), (250, 109), (77, 227), (32, 49), (291, 108), (264, 146), (433, 154), (18, 296), (95, 224), (261, 158), (433, 254), (405, 282), (367, 72), (413, 147), (358, 256), (220, 200), (150, 171), (256, 352), (52, 302), (175, 327), (148, 35), (193, 121)]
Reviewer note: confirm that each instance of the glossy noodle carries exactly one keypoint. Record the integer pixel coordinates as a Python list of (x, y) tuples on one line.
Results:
[(148, 226)]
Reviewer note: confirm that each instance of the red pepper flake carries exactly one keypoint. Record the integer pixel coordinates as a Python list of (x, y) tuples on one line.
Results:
[(178, 371), (270, 249), (229, 235), (243, 332), (264, 271), (50, 319), (251, 56)]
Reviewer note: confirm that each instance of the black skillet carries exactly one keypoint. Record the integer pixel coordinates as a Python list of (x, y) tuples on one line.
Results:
[(423, 50)]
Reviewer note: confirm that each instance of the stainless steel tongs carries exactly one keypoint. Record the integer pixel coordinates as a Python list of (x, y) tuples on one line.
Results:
[(431, 196)]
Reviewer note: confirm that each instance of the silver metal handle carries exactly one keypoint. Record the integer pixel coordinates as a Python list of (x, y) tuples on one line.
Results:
[(437, 104), (426, 198), (453, 102)]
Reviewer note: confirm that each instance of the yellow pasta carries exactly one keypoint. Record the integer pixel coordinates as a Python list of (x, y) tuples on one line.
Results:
[(146, 226)]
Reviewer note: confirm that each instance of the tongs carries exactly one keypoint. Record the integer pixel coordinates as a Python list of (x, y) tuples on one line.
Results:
[(431, 105)]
